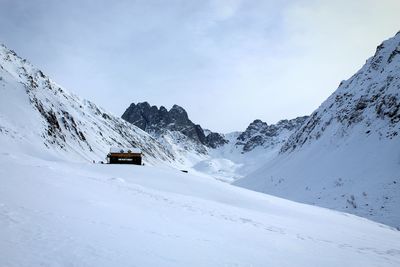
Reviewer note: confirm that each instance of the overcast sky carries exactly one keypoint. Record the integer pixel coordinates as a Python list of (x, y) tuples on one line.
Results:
[(227, 62)]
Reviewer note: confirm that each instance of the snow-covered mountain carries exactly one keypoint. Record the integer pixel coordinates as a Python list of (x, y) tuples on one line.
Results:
[(37, 113), (247, 151), (227, 157), (259, 133), (58, 209), (160, 122), (346, 155)]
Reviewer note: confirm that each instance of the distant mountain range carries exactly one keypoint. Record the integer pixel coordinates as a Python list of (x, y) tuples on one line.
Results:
[(157, 120), (227, 157)]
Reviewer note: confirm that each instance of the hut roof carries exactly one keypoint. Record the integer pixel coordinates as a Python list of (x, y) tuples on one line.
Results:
[(125, 150)]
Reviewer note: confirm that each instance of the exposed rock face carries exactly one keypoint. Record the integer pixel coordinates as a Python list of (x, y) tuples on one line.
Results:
[(369, 100), (259, 133), (156, 121), (215, 140), (61, 121)]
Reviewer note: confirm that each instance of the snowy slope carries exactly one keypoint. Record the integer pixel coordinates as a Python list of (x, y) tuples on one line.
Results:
[(346, 156), (229, 162), (57, 209), (245, 152), (226, 157), (80, 214), (35, 113)]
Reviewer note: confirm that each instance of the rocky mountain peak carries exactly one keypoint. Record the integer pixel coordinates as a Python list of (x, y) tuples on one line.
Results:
[(178, 109), (257, 124), (158, 120), (163, 110), (179, 115), (259, 133)]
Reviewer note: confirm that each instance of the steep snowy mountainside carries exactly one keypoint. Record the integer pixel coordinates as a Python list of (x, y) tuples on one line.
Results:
[(36, 112), (259, 133), (346, 156), (229, 162), (369, 101), (55, 213)]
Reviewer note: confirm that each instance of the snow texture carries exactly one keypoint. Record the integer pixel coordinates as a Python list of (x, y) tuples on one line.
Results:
[(58, 213)]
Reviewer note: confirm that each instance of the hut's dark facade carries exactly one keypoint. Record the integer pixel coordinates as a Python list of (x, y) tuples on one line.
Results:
[(125, 156)]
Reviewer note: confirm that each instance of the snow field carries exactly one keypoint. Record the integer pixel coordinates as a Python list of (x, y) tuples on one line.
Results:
[(57, 213)]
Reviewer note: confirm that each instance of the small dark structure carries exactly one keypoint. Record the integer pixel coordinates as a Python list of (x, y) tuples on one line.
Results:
[(125, 156)]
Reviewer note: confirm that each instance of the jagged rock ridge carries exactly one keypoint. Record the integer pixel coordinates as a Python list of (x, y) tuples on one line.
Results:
[(156, 120), (259, 133)]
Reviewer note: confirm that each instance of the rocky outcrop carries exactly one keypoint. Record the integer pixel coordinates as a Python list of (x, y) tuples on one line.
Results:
[(156, 121), (260, 134)]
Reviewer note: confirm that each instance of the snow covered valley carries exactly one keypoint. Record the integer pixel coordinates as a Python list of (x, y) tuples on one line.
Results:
[(344, 156), (57, 208), (59, 213)]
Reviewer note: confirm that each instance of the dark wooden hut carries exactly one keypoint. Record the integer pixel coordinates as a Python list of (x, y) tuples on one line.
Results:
[(125, 156)]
